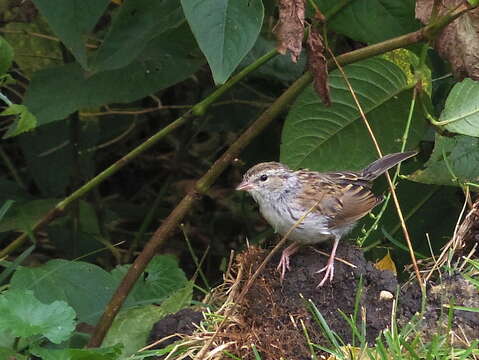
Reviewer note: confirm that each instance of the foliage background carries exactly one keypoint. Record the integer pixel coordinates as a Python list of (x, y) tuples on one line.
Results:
[(84, 83)]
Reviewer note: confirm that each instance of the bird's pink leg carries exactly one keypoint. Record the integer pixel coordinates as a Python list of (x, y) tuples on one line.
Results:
[(284, 262), (329, 268)]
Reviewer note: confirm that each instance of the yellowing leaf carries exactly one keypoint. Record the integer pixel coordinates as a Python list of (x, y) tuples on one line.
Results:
[(25, 120), (386, 263)]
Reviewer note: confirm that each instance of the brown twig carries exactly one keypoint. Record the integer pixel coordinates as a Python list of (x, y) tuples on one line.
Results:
[(251, 280), (39, 35), (220, 165), (202, 185), (134, 112)]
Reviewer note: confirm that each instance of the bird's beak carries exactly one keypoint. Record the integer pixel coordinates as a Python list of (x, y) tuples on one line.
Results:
[(244, 186)]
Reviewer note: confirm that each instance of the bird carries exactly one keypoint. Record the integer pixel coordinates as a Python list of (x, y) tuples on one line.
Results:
[(330, 203)]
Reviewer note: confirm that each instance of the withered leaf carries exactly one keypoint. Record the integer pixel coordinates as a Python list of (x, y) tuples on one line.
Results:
[(459, 41), (290, 28), (318, 66)]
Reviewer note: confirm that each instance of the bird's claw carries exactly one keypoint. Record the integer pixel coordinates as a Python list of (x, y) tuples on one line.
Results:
[(329, 269), (283, 266)]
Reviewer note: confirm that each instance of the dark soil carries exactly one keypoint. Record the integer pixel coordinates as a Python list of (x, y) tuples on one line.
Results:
[(464, 325), (180, 323), (272, 314)]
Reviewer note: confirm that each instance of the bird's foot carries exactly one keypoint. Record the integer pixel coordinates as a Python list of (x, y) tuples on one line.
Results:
[(329, 272), (284, 262), (283, 265)]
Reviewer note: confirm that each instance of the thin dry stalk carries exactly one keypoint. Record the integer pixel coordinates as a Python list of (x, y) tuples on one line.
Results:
[(336, 258), (390, 183), (201, 355), (457, 240)]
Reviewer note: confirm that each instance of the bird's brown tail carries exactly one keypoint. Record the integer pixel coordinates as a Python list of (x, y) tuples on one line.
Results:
[(375, 169)]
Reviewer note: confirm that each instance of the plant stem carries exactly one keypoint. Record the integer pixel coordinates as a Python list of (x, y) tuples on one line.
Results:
[(10, 166), (198, 109), (175, 217), (204, 183)]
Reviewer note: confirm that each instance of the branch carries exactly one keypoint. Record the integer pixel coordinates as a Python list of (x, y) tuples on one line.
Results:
[(198, 110), (204, 183)]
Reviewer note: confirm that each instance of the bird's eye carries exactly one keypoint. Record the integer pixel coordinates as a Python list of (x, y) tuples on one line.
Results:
[(263, 177)]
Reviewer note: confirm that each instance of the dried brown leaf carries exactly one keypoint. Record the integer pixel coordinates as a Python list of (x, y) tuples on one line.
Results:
[(459, 41), (290, 27), (318, 66)]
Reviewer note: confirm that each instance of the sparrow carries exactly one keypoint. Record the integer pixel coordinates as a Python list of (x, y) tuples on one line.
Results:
[(335, 201)]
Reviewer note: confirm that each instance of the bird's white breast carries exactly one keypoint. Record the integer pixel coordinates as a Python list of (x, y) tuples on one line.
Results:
[(282, 218)]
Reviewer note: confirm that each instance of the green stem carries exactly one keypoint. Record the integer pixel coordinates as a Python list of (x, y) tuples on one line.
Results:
[(205, 182), (175, 217), (405, 136), (147, 221), (11, 167), (200, 108), (60, 208), (5, 99)]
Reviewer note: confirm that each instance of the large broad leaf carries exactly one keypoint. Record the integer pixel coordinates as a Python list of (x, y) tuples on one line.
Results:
[(23, 215), (138, 22), (6, 56), (10, 190), (85, 238), (24, 316), (391, 18), (57, 92), (49, 155), (461, 111), (85, 287), (163, 277), (335, 138), (104, 353), (225, 30), (72, 20), (88, 288), (455, 160), (132, 327), (6, 353)]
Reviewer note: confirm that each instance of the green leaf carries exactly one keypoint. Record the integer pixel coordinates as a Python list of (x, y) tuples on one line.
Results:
[(45, 52), (88, 288), (104, 353), (461, 111), (165, 61), (5, 207), (391, 18), (87, 234), (454, 160), (136, 24), (85, 287), (49, 155), (25, 120), (318, 137), (132, 327), (6, 56), (163, 276), (8, 354), (24, 316), (280, 68), (226, 30), (22, 216), (72, 21)]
